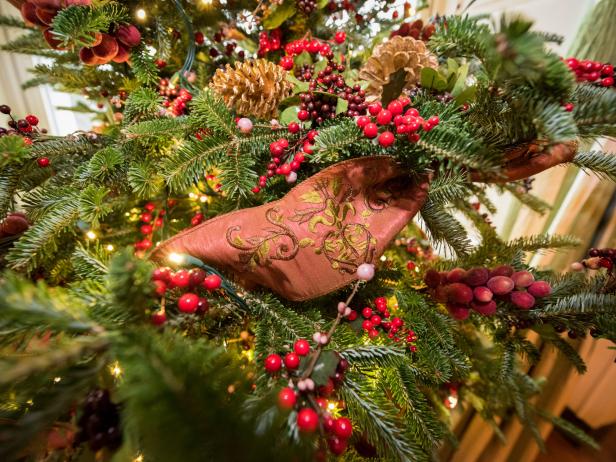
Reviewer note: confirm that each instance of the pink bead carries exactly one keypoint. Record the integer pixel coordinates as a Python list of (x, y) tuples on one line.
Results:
[(245, 125), (365, 271)]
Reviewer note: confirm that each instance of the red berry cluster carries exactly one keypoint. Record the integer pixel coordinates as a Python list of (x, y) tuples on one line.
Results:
[(297, 394), (599, 258), (175, 98), (27, 128), (396, 121), (592, 71), (415, 29), (287, 159), (188, 282), (269, 42), (479, 288), (374, 323), (150, 220)]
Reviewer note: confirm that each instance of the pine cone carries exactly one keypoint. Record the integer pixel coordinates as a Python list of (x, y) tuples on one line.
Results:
[(253, 88), (392, 56)]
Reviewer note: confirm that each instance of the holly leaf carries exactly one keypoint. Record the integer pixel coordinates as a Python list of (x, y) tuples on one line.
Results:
[(341, 106), (289, 115), (466, 96), (461, 81), (279, 14), (428, 77), (303, 58), (325, 367), (395, 86)]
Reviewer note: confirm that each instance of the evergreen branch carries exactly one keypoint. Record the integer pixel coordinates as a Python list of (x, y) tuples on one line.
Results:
[(145, 179), (90, 263), (373, 356), (565, 348), (569, 429), (448, 188), (444, 228), (209, 110), (142, 103), (79, 24), (92, 206), (144, 66), (13, 21), (533, 202), (595, 111), (333, 140), (157, 128), (373, 413), (104, 163), (582, 303), (9, 183), (599, 162)]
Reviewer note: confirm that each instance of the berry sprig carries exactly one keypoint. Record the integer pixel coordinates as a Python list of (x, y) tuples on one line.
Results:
[(396, 121), (271, 41), (27, 128), (379, 320), (220, 47), (592, 71), (188, 286), (415, 29), (599, 258), (150, 219), (479, 288), (286, 158), (175, 99)]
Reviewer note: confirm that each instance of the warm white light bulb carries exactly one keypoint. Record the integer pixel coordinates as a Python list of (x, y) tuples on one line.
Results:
[(91, 235), (141, 14), (175, 258), (110, 247)]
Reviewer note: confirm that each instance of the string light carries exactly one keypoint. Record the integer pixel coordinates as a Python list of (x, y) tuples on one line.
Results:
[(383, 258), (91, 235), (206, 2), (203, 198), (192, 196), (139, 458), (141, 14), (451, 401), (176, 258), (115, 370), (57, 379), (109, 247)]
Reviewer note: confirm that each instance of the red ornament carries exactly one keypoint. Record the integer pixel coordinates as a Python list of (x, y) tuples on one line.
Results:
[(307, 420), (188, 303), (291, 361), (273, 363), (212, 282), (301, 347), (286, 398)]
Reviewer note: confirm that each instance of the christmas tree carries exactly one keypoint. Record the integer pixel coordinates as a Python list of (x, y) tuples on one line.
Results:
[(259, 251)]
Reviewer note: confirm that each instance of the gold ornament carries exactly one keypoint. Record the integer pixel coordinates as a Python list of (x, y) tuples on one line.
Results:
[(253, 88), (396, 55)]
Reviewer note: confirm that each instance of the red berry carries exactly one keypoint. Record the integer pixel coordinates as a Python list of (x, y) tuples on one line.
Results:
[(188, 303), (181, 278), (482, 294), (476, 276), (146, 217), (286, 398), (197, 276), (366, 325), (366, 312), (522, 279), (459, 312), (456, 275), (307, 420), (607, 70), (540, 289), (380, 302), (43, 162), (607, 81), (314, 46), (291, 361), (286, 62), (384, 117), (162, 274), (161, 288), (371, 130), (500, 285), (412, 112), (158, 318), (374, 109), (293, 127), (301, 347), (503, 270), (340, 37), (203, 305), (484, 308), (410, 265), (273, 363), (199, 38), (395, 107), (149, 206), (386, 139), (283, 142), (146, 229), (307, 147), (375, 319), (373, 333), (256, 190), (312, 135), (522, 300), (337, 446), (212, 282), (303, 115), (568, 107), (362, 121), (343, 428), (285, 169), (397, 322), (32, 120), (434, 120), (352, 316), (276, 149)]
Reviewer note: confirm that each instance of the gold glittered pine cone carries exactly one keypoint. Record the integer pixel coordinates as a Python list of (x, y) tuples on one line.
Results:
[(392, 56), (254, 88)]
